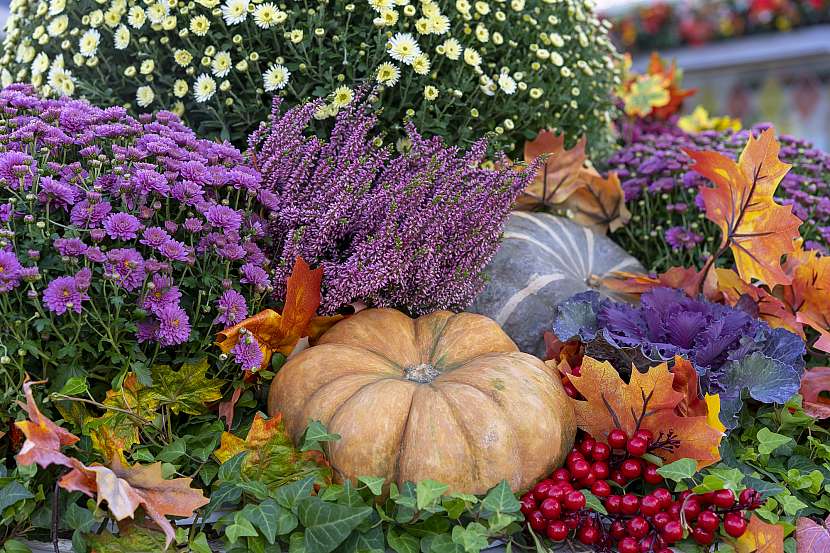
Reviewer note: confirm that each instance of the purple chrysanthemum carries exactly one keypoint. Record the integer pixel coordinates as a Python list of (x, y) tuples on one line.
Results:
[(154, 237), (57, 193), (70, 247), (680, 238), (86, 214), (247, 353), (147, 331), (161, 293), (174, 250), (255, 276), (122, 226), (225, 218), (62, 295), (232, 308), (174, 325), (9, 271), (127, 267)]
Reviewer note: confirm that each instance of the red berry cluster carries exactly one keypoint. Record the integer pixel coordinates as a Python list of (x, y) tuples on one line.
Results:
[(647, 522)]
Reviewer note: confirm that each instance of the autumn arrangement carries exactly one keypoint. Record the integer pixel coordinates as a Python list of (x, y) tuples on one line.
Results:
[(350, 325)]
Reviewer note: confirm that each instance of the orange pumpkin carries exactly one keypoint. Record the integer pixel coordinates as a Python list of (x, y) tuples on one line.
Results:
[(446, 396)]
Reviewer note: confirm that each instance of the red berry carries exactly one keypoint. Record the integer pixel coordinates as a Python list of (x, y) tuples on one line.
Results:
[(559, 490), (629, 504), (708, 520), (691, 509), (600, 470), (734, 524), (631, 468), (577, 371), (702, 536), (617, 438), (601, 451), (663, 550), (618, 478), (618, 530), (672, 531), (551, 508), (646, 544), (674, 510), (706, 498), (571, 520), (580, 468), (557, 531), (537, 521), (588, 534), (651, 476), (637, 527), (636, 447), (645, 435), (574, 456), (588, 480), (649, 505), (664, 496), (601, 488), (528, 504), (628, 545), (613, 504), (574, 501), (723, 499), (561, 475), (540, 490), (661, 519), (587, 445)]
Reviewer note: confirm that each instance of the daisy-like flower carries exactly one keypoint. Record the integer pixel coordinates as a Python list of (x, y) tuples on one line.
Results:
[(342, 97), (180, 88), (430, 92), (388, 74), (222, 64), (439, 24), (136, 17), (430, 9), (199, 25), (182, 57), (61, 80), (471, 57), (56, 7), (204, 88), (121, 37), (421, 64), (276, 77), (40, 64), (387, 18), (156, 12), (266, 15), (147, 67), (144, 96), (58, 26), (507, 84), (452, 49), (235, 11), (381, 5), (404, 48)]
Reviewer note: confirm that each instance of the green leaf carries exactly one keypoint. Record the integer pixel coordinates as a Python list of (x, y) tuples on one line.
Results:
[(288, 495), (678, 470), (314, 434), (226, 493), (15, 546), (370, 541), (473, 537), (296, 543), (271, 518), (78, 518), (75, 386), (199, 544), (500, 521), (142, 373), (443, 543), (593, 502), (374, 483), (255, 488), (769, 441), (790, 504), (455, 506), (401, 541), (231, 470), (187, 390), (241, 527), (428, 491), (500, 499), (12, 493), (173, 451), (327, 525)]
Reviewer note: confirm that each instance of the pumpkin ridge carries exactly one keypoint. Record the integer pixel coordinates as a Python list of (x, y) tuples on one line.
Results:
[(402, 444), (464, 432), (436, 340)]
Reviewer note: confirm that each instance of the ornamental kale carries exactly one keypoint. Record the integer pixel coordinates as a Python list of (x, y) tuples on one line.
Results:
[(119, 239), (731, 350), (413, 230)]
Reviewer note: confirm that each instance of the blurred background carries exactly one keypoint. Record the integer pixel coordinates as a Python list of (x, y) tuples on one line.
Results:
[(757, 60)]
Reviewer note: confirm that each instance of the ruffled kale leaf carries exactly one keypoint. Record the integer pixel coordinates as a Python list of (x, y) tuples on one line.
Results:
[(576, 317)]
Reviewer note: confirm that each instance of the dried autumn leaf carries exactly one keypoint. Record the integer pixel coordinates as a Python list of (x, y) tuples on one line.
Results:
[(277, 332), (187, 390), (814, 383), (646, 93), (560, 174), (44, 438), (761, 537), (599, 203), (687, 279), (770, 308), (125, 488), (650, 401), (676, 94), (271, 456), (812, 537), (758, 230)]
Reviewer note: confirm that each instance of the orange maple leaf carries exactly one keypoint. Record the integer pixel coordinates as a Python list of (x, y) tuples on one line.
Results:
[(560, 174), (770, 308), (126, 488), (277, 332), (814, 383), (44, 438), (687, 279), (599, 203), (651, 401), (676, 94), (760, 537), (758, 230)]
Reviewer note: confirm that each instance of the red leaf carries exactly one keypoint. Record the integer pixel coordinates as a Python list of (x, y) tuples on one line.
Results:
[(813, 383), (44, 438)]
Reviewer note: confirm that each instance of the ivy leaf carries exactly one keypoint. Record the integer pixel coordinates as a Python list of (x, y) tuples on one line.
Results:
[(790, 503), (756, 229), (289, 495), (75, 386), (402, 542), (812, 537), (44, 438), (678, 470), (240, 527), (370, 541), (501, 499), (473, 537), (327, 525), (427, 491), (314, 434), (271, 519), (593, 502), (187, 390), (650, 400), (769, 441), (13, 492), (374, 483)]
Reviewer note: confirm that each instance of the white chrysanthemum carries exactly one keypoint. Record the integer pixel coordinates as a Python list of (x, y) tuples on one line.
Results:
[(180, 88), (221, 65), (439, 24), (88, 44), (430, 92), (430, 9), (58, 25), (156, 12), (266, 15), (403, 47), (471, 57), (235, 11), (381, 5), (204, 88), (387, 18), (199, 25), (507, 84), (56, 7), (421, 64), (452, 48), (388, 74), (25, 54), (61, 80), (136, 17), (342, 97), (487, 85), (147, 67), (40, 64), (144, 96), (121, 37), (182, 57), (276, 77)]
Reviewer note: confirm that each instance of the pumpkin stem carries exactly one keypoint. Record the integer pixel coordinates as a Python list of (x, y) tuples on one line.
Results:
[(423, 373)]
